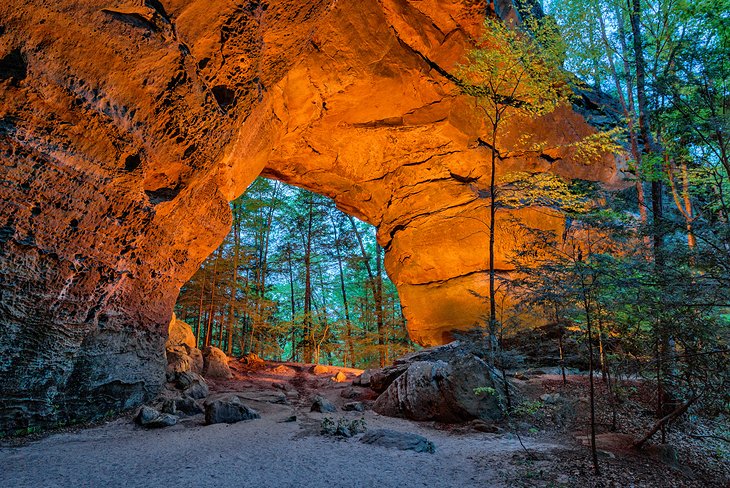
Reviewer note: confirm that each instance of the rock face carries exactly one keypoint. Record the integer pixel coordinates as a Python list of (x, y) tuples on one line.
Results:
[(123, 140)]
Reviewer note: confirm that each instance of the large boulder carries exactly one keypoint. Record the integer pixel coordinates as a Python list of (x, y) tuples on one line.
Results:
[(180, 348), (179, 333), (228, 410), (445, 390), (215, 363)]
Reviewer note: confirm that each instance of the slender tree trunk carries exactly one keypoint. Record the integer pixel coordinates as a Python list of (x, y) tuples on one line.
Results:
[(200, 308), (308, 326), (656, 192), (293, 304), (589, 327), (372, 279), (209, 329), (349, 346), (234, 284), (379, 306), (562, 354)]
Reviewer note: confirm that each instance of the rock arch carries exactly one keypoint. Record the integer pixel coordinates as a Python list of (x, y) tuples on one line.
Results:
[(126, 130)]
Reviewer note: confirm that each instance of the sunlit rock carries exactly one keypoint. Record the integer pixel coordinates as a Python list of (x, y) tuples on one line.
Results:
[(215, 363), (125, 130)]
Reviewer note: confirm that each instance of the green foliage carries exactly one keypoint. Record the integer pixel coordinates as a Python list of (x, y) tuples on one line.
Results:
[(528, 408), (484, 390), (517, 70)]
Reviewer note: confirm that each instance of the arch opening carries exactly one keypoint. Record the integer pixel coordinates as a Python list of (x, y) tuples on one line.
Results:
[(297, 280)]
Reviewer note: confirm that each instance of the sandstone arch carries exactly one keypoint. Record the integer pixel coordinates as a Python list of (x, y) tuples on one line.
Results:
[(125, 131)]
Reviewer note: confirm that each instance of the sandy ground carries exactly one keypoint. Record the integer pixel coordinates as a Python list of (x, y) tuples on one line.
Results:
[(266, 452)]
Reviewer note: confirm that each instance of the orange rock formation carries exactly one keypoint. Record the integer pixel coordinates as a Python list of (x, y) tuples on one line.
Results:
[(126, 127)]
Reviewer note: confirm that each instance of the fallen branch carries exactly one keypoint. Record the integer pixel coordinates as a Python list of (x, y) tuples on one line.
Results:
[(665, 420)]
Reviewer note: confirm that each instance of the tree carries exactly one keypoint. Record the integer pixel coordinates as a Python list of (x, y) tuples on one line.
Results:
[(515, 72)]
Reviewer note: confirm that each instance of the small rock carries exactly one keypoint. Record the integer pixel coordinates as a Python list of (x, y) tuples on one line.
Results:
[(363, 379), (319, 369), (188, 406), (398, 440), (228, 410), (253, 360), (550, 397), (282, 370), (340, 377), (353, 407), (169, 407), (482, 426), (323, 405), (151, 418), (290, 418), (343, 428)]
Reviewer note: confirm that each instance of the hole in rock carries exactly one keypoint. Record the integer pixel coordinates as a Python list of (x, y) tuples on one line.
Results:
[(13, 66), (132, 162), (224, 96), (296, 280)]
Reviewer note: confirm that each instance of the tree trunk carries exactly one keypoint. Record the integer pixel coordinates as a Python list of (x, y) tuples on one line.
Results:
[(234, 284), (209, 329), (379, 307), (349, 346), (200, 308), (308, 286), (373, 287)]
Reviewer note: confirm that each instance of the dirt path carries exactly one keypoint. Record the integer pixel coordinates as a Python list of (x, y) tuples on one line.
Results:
[(267, 452)]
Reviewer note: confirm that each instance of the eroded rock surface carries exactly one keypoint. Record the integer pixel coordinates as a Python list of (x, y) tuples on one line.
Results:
[(127, 127)]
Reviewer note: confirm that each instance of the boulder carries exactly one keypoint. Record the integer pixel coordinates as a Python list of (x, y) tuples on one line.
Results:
[(192, 384), (152, 419), (181, 406), (340, 377), (215, 363), (180, 348), (443, 391), (363, 379), (319, 369), (380, 379), (179, 333), (321, 404), (196, 360), (228, 410), (398, 440), (358, 393)]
